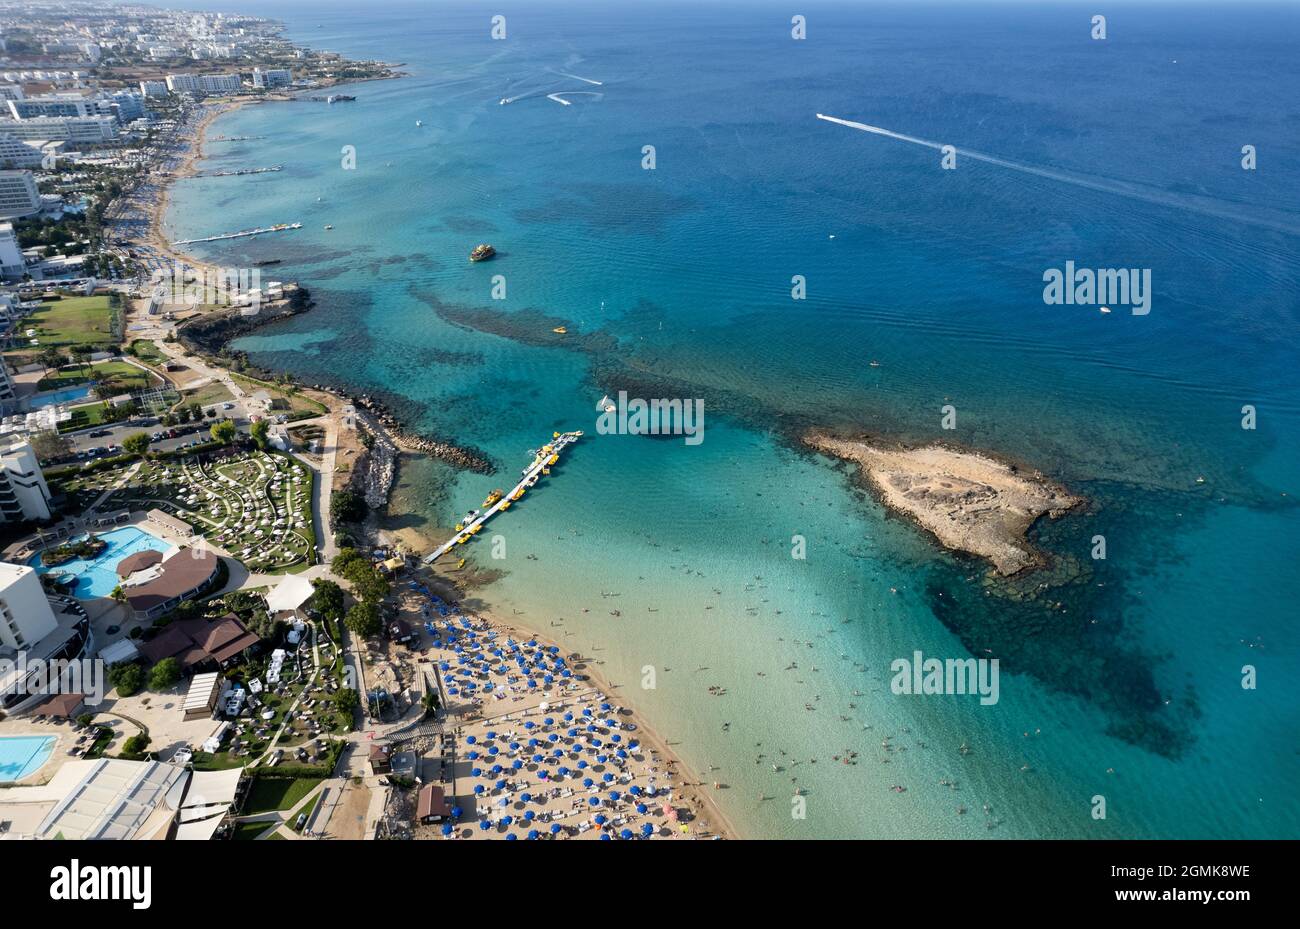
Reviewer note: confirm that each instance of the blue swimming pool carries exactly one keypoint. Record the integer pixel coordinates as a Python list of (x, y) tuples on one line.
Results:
[(22, 754), (67, 395), (98, 577)]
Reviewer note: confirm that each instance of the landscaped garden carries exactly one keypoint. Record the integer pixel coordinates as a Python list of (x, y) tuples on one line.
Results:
[(117, 376), (255, 505)]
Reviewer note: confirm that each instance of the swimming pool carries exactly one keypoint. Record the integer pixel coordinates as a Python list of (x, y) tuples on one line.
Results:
[(98, 577), (67, 395), (20, 755)]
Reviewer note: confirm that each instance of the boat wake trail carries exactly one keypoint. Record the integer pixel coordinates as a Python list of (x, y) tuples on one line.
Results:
[(559, 96), (1205, 206), (585, 80)]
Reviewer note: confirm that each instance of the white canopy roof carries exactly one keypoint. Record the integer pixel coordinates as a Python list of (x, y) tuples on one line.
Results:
[(290, 594)]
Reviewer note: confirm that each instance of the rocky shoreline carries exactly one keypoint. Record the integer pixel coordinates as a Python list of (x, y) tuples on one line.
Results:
[(969, 501), (466, 458)]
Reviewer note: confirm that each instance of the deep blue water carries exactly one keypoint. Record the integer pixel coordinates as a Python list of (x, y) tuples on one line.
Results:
[(1121, 677)]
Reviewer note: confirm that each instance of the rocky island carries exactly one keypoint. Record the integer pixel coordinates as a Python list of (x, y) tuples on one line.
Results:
[(969, 502)]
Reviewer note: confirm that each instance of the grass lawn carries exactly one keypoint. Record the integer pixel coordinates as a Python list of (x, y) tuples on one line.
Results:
[(92, 414), (246, 832), (308, 808), (72, 321), (203, 761), (216, 392), (121, 376), (148, 352), (278, 793)]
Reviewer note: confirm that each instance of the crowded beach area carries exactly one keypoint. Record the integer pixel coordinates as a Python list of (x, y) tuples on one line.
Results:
[(535, 746)]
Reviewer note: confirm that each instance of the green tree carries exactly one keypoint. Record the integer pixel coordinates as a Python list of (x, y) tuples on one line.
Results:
[(127, 678), (346, 507), (165, 674), (49, 446), (328, 599), (363, 619), (371, 587), (223, 431), (346, 700), (136, 444), (258, 431)]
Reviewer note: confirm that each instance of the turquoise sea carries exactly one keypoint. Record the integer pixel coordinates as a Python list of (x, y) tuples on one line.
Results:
[(1121, 678)]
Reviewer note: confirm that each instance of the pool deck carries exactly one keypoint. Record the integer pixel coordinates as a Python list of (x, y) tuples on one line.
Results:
[(64, 737)]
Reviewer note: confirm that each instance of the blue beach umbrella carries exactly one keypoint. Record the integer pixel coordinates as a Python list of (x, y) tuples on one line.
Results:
[(446, 829), (647, 830), (511, 837), (534, 834), (555, 827), (625, 834)]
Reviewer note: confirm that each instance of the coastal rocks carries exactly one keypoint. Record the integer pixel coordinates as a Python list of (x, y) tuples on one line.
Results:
[(463, 457), (208, 333), (376, 471), (969, 502)]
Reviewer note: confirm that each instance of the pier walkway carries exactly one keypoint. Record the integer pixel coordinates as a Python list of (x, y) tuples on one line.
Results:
[(546, 456)]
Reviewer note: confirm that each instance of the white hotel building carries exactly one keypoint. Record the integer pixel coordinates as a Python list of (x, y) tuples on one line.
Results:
[(18, 194), (24, 495), (25, 614)]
